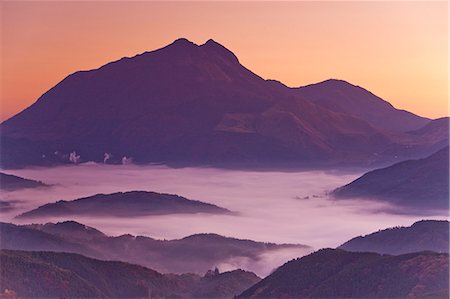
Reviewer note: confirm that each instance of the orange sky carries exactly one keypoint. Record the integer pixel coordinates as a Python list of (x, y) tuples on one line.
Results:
[(397, 50)]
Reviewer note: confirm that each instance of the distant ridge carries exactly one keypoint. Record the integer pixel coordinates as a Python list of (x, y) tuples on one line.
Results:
[(124, 204), (9, 182)]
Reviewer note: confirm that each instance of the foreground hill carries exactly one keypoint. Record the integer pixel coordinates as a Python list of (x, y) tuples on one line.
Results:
[(123, 204), (9, 182), (56, 275), (196, 104), (423, 235), (194, 254), (421, 185), (334, 273)]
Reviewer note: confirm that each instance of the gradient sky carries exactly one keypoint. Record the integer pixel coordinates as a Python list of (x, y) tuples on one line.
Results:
[(397, 50)]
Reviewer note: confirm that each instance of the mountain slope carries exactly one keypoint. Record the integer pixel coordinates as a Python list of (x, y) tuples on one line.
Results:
[(133, 203), (437, 127), (334, 273), (419, 143), (186, 104), (9, 182), (223, 285), (193, 254), (343, 97), (423, 235), (435, 134), (414, 184), (69, 230), (50, 274), (25, 238)]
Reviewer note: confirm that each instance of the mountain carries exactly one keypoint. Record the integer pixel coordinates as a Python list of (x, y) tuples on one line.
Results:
[(419, 143), (343, 97), (9, 182), (188, 104), (437, 128), (124, 204), (6, 205), (57, 275), (425, 235), (335, 273), (69, 230), (224, 285), (434, 135), (418, 185), (21, 237), (193, 254)]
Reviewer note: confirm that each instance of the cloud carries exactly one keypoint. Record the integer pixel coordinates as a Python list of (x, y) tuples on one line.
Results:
[(74, 158), (126, 160), (265, 202), (106, 157), (265, 263)]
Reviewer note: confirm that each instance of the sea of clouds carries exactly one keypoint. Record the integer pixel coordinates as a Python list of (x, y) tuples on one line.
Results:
[(270, 206)]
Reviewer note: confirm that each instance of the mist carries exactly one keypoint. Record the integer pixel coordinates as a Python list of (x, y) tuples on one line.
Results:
[(270, 206)]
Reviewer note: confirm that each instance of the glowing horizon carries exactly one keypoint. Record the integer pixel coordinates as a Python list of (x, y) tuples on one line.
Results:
[(397, 50)]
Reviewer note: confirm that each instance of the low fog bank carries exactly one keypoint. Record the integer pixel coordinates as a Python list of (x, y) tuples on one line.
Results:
[(266, 263), (272, 206)]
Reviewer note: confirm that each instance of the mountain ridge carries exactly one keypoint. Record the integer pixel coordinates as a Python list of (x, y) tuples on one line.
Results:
[(186, 255), (332, 93), (9, 182), (420, 185), (424, 235), (124, 204), (335, 273), (52, 274)]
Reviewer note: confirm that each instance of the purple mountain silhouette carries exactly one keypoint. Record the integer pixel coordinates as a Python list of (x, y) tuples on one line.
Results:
[(196, 104), (420, 186), (341, 96)]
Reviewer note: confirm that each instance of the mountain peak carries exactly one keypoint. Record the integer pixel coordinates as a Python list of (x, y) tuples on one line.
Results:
[(336, 82), (210, 47), (211, 42), (183, 41), (214, 47)]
